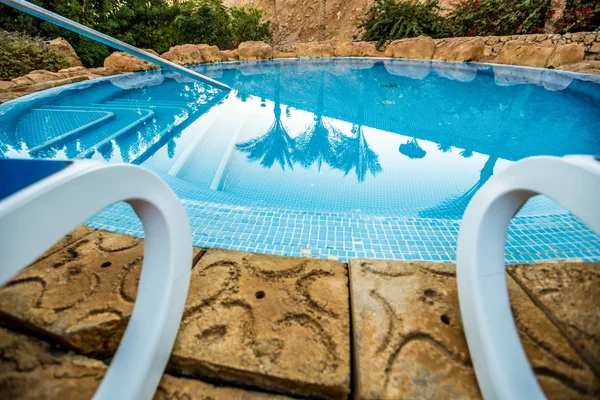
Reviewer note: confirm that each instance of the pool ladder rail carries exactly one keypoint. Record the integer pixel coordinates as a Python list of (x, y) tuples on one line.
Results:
[(73, 26)]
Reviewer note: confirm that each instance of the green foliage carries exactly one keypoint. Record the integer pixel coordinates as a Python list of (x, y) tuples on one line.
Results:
[(20, 54), (498, 17), (580, 16), (248, 23), (155, 24), (389, 20), (207, 21)]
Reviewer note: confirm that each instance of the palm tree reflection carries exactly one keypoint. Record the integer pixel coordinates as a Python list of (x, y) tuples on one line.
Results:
[(319, 142), (275, 145), (356, 152)]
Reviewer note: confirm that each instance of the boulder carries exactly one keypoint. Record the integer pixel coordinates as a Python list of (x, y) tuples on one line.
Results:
[(255, 50), (284, 54), (527, 54), (123, 62), (37, 76), (586, 67), (229, 55), (66, 50), (188, 54), (354, 49), (565, 55), (421, 47), (5, 86), (315, 50), (460, 49)]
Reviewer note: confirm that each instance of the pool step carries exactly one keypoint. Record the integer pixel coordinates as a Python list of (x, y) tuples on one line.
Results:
[(127, 121), (41, 128)]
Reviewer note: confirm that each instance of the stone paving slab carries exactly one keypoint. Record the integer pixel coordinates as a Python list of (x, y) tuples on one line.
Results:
[(81, 295), (33, 369), (409, 342), (569, 293), (279, 323)]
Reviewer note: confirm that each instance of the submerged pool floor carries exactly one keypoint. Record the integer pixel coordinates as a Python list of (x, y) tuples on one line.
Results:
[(333, 158)]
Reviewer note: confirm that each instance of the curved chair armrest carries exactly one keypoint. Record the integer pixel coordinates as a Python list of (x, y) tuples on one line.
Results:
[(36, 217), (501, 366)]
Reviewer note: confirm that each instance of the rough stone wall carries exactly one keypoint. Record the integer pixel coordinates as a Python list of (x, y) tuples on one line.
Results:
[(589, 40), (314, 20)]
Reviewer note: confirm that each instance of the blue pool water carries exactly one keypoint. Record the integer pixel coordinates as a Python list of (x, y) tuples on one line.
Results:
[(328, 158)]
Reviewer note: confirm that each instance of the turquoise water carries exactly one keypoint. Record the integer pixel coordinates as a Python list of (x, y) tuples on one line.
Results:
[(321, 157)]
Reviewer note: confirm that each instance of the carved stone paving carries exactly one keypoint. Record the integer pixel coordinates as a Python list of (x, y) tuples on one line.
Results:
[(409, 343), (81, 295), (570, 294), (279, 323), (33, 369)]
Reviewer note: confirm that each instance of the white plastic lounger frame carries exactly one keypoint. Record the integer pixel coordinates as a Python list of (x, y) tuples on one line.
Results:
[(34, 218), (501, 366)]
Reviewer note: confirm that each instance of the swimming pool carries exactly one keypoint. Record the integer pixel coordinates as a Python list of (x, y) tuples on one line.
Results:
[(331, 158)]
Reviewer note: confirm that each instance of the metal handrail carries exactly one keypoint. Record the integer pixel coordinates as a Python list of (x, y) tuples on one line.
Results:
[(66, 23)]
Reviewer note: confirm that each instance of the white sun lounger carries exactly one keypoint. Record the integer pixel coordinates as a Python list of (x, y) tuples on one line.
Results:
[(501, 365), (41, 201)]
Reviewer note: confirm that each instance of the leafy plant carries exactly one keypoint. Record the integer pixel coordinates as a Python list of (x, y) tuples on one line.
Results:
[(498, 17), (389, 20), (155, 24), (248, 23), (580, 16), (20, 54), (204, 22)]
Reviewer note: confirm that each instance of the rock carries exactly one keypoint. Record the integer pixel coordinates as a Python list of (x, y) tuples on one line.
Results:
[(189, 54), (33, 369), (37, 76), (210, 54), (421, 47), (124, 62), (5, 86), (229, 55), (74, 71), (254, 50), (82, 294), (595, 48), (530, 55), (67, 51), (278, 323), (569, 293), (409, 342), (100, 71), (460, 49), (283, 54), (565, 55), (354, 49), (314, 50), (586, 67)]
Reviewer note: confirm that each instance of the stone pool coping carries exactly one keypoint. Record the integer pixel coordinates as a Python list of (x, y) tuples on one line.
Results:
[(269, 327)]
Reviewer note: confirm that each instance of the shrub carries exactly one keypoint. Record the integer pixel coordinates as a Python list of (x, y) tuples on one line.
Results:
[(248, 23), (498, 17), (155, 24), (204, 22), (389, 20), (580, 16), (20, 54)]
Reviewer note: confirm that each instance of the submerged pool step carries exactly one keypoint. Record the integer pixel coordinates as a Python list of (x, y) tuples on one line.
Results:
[(126, 121), (41, 128), (167, 117)]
